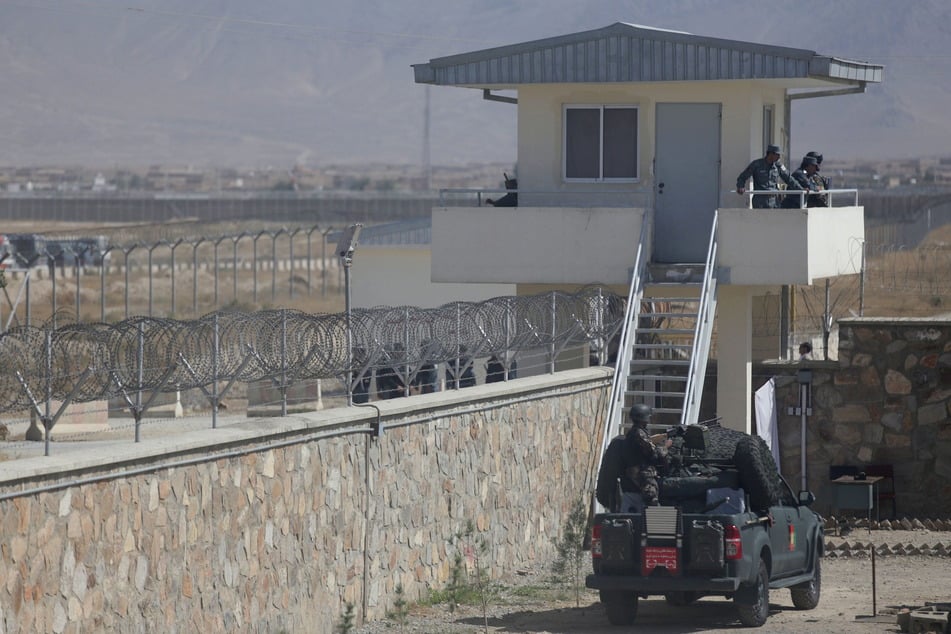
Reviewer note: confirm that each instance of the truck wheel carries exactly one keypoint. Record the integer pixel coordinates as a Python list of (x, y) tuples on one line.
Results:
[(757, 472), (681, 598), (806, 595), (752, 603), (621, 607)]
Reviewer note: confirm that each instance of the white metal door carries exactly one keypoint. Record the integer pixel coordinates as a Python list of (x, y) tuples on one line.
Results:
[(686, 180)]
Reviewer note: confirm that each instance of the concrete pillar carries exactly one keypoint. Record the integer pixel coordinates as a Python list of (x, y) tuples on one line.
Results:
[(734, 357)]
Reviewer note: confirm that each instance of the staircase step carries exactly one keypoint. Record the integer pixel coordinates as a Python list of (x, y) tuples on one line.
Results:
[(658, 362), (667, 331), (667, 410), (657, 377), (662, 346), (646, 315), (670, 300), (653, 393), (673, 301)]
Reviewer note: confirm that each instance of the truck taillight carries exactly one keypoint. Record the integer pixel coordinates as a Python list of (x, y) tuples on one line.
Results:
[(596, 541), (732, 543)]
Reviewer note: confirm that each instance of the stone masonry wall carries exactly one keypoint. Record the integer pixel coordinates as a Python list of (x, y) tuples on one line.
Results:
[(886, 401), (274, 524)]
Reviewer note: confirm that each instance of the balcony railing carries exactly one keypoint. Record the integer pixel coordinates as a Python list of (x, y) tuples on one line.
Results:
[(832, 196), (464, 197)]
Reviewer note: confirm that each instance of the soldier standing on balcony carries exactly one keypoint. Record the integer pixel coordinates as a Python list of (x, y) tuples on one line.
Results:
[(766, 173), (808, 178)]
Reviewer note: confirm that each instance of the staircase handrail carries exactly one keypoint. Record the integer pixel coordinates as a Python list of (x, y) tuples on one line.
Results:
[(703, 330), (632, 311)]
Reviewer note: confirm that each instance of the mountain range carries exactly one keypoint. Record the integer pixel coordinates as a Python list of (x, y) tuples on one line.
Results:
[(314, 82)]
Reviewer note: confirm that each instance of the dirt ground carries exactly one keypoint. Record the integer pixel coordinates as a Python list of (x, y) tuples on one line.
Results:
[(846, 604)]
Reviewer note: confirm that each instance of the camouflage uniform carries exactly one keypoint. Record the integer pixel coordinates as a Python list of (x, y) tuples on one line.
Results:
[(633, 459), (766, 176), (646, 458), (814, 183)]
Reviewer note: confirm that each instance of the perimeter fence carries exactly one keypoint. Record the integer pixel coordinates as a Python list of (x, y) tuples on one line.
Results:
[(43, 369), (169, 275)]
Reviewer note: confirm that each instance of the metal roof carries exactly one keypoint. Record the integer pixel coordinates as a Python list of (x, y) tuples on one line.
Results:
[(625, 52), (417, 231)]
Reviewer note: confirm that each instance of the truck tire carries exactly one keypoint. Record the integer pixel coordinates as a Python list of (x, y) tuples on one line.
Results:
[(620, 606), (806, 595), (758, 472), (721, 443), (752, 602)]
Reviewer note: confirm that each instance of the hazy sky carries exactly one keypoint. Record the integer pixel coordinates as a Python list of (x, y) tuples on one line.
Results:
[(235, 82)]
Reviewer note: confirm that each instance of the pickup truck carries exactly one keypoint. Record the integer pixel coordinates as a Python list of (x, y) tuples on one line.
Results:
[(717, 531)]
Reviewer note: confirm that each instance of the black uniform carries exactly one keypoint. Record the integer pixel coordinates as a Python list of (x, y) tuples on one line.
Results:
[(766, 176)]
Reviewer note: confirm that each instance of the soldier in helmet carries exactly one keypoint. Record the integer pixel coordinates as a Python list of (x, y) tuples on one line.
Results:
[(826, 181), (632, 459), (808, 178)]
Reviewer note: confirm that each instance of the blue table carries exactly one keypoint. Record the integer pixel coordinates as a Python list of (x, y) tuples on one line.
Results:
[(852, 494)]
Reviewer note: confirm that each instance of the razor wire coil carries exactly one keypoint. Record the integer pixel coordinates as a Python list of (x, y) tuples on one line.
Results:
[(92, 361)]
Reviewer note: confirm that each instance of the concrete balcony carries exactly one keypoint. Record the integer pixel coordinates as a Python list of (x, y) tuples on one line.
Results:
[(789, 246), (583, 245), (535, 245)]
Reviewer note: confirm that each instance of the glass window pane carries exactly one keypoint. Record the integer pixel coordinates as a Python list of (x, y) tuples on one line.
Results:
[(620, 143), (582, 147)]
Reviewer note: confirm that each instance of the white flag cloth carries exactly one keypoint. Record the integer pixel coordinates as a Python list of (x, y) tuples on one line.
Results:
[(766, 420)]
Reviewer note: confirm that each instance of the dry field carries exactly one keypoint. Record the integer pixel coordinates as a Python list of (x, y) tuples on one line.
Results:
[(195, 294), (899, 283)]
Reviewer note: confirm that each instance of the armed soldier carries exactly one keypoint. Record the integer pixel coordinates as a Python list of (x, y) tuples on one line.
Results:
[(808, 178), (766, 173), (633, 459)]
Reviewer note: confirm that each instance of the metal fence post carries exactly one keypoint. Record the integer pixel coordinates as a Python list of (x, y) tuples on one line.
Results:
[(102, 285), (214, 374), (406, 370), (79, 257), (234, 265), (151, 250), (458, 342), (310, 258), (274, 238), (174, 246), (283, 362), (127, 252), (52, 269), (195, 275), (48, 365), (290, 266), (551, 366), (139, 382), (217, 243), (254, 264), (323, 263)]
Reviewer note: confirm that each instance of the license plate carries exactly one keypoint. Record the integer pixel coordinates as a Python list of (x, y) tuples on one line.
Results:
[(660, 557)]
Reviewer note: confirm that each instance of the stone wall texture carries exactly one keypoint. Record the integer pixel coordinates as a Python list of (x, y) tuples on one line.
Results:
[(886, 401), (274, 525)]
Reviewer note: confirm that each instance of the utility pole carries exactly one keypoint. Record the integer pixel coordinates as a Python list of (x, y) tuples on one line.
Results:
[(427, 159)]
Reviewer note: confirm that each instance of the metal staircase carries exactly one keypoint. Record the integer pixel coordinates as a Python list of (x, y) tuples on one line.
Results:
[(665, 341)]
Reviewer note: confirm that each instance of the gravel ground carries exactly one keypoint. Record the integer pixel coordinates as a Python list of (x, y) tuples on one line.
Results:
[(531, 604)]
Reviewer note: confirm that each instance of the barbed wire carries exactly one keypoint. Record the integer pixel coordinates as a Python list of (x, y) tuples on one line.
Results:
[(92, 361)]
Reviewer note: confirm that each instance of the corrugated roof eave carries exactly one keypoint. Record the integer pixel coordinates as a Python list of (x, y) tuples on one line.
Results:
[(627, 53)]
